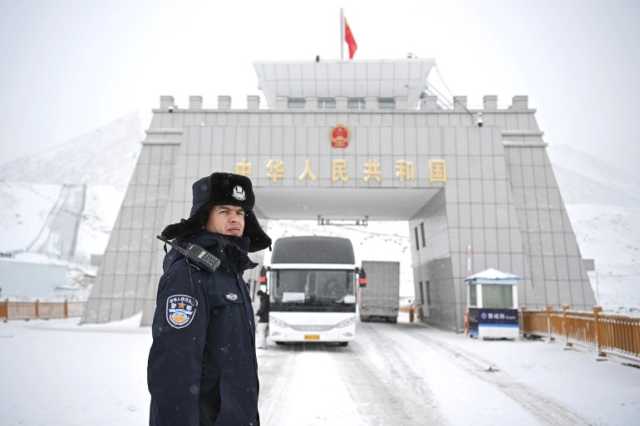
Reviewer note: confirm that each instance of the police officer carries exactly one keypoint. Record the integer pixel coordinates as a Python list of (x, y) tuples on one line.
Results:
[(202, 366)]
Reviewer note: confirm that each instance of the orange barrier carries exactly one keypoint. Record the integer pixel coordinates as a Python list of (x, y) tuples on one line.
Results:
[(40, 310), (4, 309), (617, 334)]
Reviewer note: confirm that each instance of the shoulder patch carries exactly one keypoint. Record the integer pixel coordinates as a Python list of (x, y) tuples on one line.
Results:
[(181, 309)]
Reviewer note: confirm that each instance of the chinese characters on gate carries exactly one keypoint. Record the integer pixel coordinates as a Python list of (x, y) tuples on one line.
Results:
[(372, 170)]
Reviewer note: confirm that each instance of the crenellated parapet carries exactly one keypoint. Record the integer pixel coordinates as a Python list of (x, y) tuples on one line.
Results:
[(517, 119), (427, 103)]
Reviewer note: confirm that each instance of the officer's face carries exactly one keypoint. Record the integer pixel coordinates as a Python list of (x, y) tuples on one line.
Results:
[(226, 220)]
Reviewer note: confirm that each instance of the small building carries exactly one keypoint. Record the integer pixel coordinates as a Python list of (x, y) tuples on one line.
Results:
[(492, 305)]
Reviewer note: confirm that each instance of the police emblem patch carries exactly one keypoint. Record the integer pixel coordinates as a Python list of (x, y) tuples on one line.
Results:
[(231, 296), (238, 193), (181, 309)]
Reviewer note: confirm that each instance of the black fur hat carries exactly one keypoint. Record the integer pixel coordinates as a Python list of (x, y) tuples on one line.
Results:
[(221, 189)]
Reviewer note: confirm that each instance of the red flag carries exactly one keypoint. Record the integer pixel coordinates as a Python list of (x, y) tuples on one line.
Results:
[(351, 41)]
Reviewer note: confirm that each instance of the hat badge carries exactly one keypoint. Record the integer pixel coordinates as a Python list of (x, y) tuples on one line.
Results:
[(238, 193)]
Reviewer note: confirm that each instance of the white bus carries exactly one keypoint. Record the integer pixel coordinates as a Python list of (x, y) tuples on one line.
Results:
[(312, 284)]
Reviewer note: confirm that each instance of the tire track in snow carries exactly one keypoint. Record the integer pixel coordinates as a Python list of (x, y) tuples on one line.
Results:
[(545, 409), (307, 390), (364, 384), (387, 391), (275, 371)]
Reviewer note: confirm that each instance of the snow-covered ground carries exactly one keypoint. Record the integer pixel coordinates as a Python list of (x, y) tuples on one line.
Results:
[(58, 373)]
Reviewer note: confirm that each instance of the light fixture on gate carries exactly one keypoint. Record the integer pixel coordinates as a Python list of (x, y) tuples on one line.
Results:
[(364, 221)]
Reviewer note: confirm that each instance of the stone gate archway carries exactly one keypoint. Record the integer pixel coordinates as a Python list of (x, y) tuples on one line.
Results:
[(354, 140)]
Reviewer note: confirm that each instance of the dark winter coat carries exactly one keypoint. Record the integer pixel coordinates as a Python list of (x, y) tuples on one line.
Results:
[(202, 365)]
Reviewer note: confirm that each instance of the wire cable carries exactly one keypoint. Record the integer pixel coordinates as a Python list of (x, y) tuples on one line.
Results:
[(471, 114)]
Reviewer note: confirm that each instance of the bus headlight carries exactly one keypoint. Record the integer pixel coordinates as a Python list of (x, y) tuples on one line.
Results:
[(278, 322), (346, 323)]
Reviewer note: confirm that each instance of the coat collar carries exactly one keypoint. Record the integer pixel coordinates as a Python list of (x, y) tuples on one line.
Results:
[(232, 251)]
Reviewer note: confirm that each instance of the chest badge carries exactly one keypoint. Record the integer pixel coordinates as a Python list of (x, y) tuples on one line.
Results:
[(181, 309), (231, 297)]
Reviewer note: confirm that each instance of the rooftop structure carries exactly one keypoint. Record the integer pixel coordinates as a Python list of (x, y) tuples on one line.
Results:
[(342, 81)]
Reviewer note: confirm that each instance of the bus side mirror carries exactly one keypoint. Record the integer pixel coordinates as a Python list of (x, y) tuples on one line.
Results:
[(362, 278)]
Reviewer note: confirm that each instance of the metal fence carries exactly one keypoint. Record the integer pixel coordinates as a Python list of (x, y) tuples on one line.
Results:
[(40, 310), (618, 334)]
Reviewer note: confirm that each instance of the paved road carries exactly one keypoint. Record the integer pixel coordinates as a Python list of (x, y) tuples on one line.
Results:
[(399, 374)]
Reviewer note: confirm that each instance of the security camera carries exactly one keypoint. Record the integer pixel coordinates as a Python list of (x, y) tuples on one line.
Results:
[(171, 108), (479, 119)]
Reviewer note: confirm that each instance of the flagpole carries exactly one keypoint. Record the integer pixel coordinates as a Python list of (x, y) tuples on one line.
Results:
[(341, 35)]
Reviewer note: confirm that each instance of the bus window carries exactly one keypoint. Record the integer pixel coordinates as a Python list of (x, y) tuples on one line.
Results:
[(313, 286)]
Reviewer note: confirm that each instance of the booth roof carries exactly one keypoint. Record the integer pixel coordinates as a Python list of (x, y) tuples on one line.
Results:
[(492, 276)]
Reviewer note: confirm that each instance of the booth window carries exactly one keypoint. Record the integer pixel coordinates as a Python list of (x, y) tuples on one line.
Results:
[(497, 296), (415, 232), (473, 295)]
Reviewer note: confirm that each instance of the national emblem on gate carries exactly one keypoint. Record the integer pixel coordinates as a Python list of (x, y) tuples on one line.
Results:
[(339, 136)]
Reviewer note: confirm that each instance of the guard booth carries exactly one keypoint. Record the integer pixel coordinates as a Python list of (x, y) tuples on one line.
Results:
[(492, 305)]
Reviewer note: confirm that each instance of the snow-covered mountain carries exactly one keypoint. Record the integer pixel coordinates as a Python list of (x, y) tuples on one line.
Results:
[(59, 206), (604, 208), (105, 156), (585, 179), (603, 203), (33, 189)]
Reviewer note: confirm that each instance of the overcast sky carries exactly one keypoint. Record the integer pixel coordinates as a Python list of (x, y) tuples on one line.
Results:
[(72, 66)]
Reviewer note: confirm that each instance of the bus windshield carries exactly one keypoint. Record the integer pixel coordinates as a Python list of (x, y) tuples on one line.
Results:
[(312, 287)]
